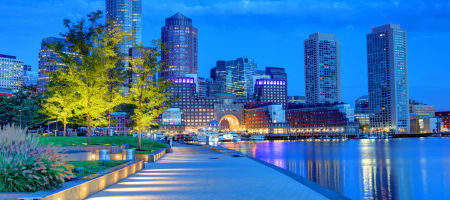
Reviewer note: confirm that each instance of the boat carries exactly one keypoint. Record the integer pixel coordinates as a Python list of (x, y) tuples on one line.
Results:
[(236, 137), (225, 137), (257, 137)]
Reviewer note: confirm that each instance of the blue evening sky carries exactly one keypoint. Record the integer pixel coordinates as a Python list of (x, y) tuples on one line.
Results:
[(270, 31)]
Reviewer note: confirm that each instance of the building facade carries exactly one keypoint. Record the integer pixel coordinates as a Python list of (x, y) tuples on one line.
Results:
[(181, 47), (322, 69), (362, 112), (48, 60), (271, 91), (195, 112), (11, 73), (236, 76), (445, 116), (387, 67), (321, 119), (270, 120), (126, 14), (418, 108)]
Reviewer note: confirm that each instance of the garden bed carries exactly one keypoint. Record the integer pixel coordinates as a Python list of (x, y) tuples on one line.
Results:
[(87, 167), (147, 145)]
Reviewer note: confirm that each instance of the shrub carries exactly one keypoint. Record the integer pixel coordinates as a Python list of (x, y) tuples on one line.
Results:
[(26, 166)]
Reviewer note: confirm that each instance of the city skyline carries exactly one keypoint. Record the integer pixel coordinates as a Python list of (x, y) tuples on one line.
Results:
[(428, 86)]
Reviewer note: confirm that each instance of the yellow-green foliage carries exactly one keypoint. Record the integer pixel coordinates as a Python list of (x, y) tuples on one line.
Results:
[(26, 166)]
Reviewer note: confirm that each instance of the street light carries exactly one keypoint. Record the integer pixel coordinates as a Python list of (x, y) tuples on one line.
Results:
[(20, 114)]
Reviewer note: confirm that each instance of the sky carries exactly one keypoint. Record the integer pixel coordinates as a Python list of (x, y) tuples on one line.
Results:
[(270, 31)]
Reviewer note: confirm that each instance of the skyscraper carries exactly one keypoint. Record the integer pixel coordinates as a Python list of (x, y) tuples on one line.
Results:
[(48, 60), (322, 69), (387, 68), (362, 110), (181, 47), (11, 73), (126, 14), (236, 75)]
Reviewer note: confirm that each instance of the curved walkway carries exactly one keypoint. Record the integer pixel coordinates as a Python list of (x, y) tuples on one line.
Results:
[(195, 172)]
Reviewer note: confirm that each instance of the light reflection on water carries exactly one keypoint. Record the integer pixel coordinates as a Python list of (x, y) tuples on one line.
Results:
[(408, 168)]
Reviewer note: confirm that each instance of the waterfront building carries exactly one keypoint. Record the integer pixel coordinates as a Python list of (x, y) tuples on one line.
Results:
[(48, 60), (292, 100), (270, 120), (388, 79), (126, 14), (445, 116), (11, 73), (237, 75), (196, 112), (321, 119), (229, 111), (425, 124), (418, 108), (270, 91), (322, 69), (362, 112), (181, 47)]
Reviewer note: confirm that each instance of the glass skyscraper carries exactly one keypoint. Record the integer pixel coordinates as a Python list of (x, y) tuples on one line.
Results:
[(126, 14), (387, 67), (236, 75), (181, 47), (322, 69), (48, 60)]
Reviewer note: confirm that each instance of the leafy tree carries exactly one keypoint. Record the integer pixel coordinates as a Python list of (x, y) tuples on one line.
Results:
[(60, 104), (92, 54), (21, 109), (149, 96)]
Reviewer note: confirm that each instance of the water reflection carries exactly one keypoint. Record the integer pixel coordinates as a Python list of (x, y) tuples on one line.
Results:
[(364, 169)]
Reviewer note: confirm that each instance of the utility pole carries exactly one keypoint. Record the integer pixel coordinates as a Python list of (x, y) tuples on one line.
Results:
[(20, 113)]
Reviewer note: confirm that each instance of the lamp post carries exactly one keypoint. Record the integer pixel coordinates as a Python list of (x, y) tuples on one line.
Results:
[(20, 121)]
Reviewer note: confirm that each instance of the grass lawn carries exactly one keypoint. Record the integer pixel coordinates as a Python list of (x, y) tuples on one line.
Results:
[(93, 166), (147, 145)]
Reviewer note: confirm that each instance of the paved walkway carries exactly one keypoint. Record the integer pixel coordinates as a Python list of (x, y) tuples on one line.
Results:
[(195, 172)]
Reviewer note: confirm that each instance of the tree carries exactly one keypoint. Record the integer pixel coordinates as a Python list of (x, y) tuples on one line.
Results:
[(60, 104), (148, 95), (93, 50), (21, 109)]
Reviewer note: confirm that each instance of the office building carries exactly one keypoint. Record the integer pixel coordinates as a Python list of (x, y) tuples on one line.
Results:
[(181, 47), (419, 108), (237, 75), (11, 73), (48, 60), (322, 69), (271, 91), (362, 112), (387, 67), (126, 14)]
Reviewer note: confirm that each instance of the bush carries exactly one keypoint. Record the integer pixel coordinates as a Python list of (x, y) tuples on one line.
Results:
[(26, 166)]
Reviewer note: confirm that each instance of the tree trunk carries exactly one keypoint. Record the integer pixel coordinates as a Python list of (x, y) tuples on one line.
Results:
[(65, 126), (88, 128), (109, 126), (139, 136)]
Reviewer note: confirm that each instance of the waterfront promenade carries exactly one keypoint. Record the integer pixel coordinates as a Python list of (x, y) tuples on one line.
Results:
[(195, 172)]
